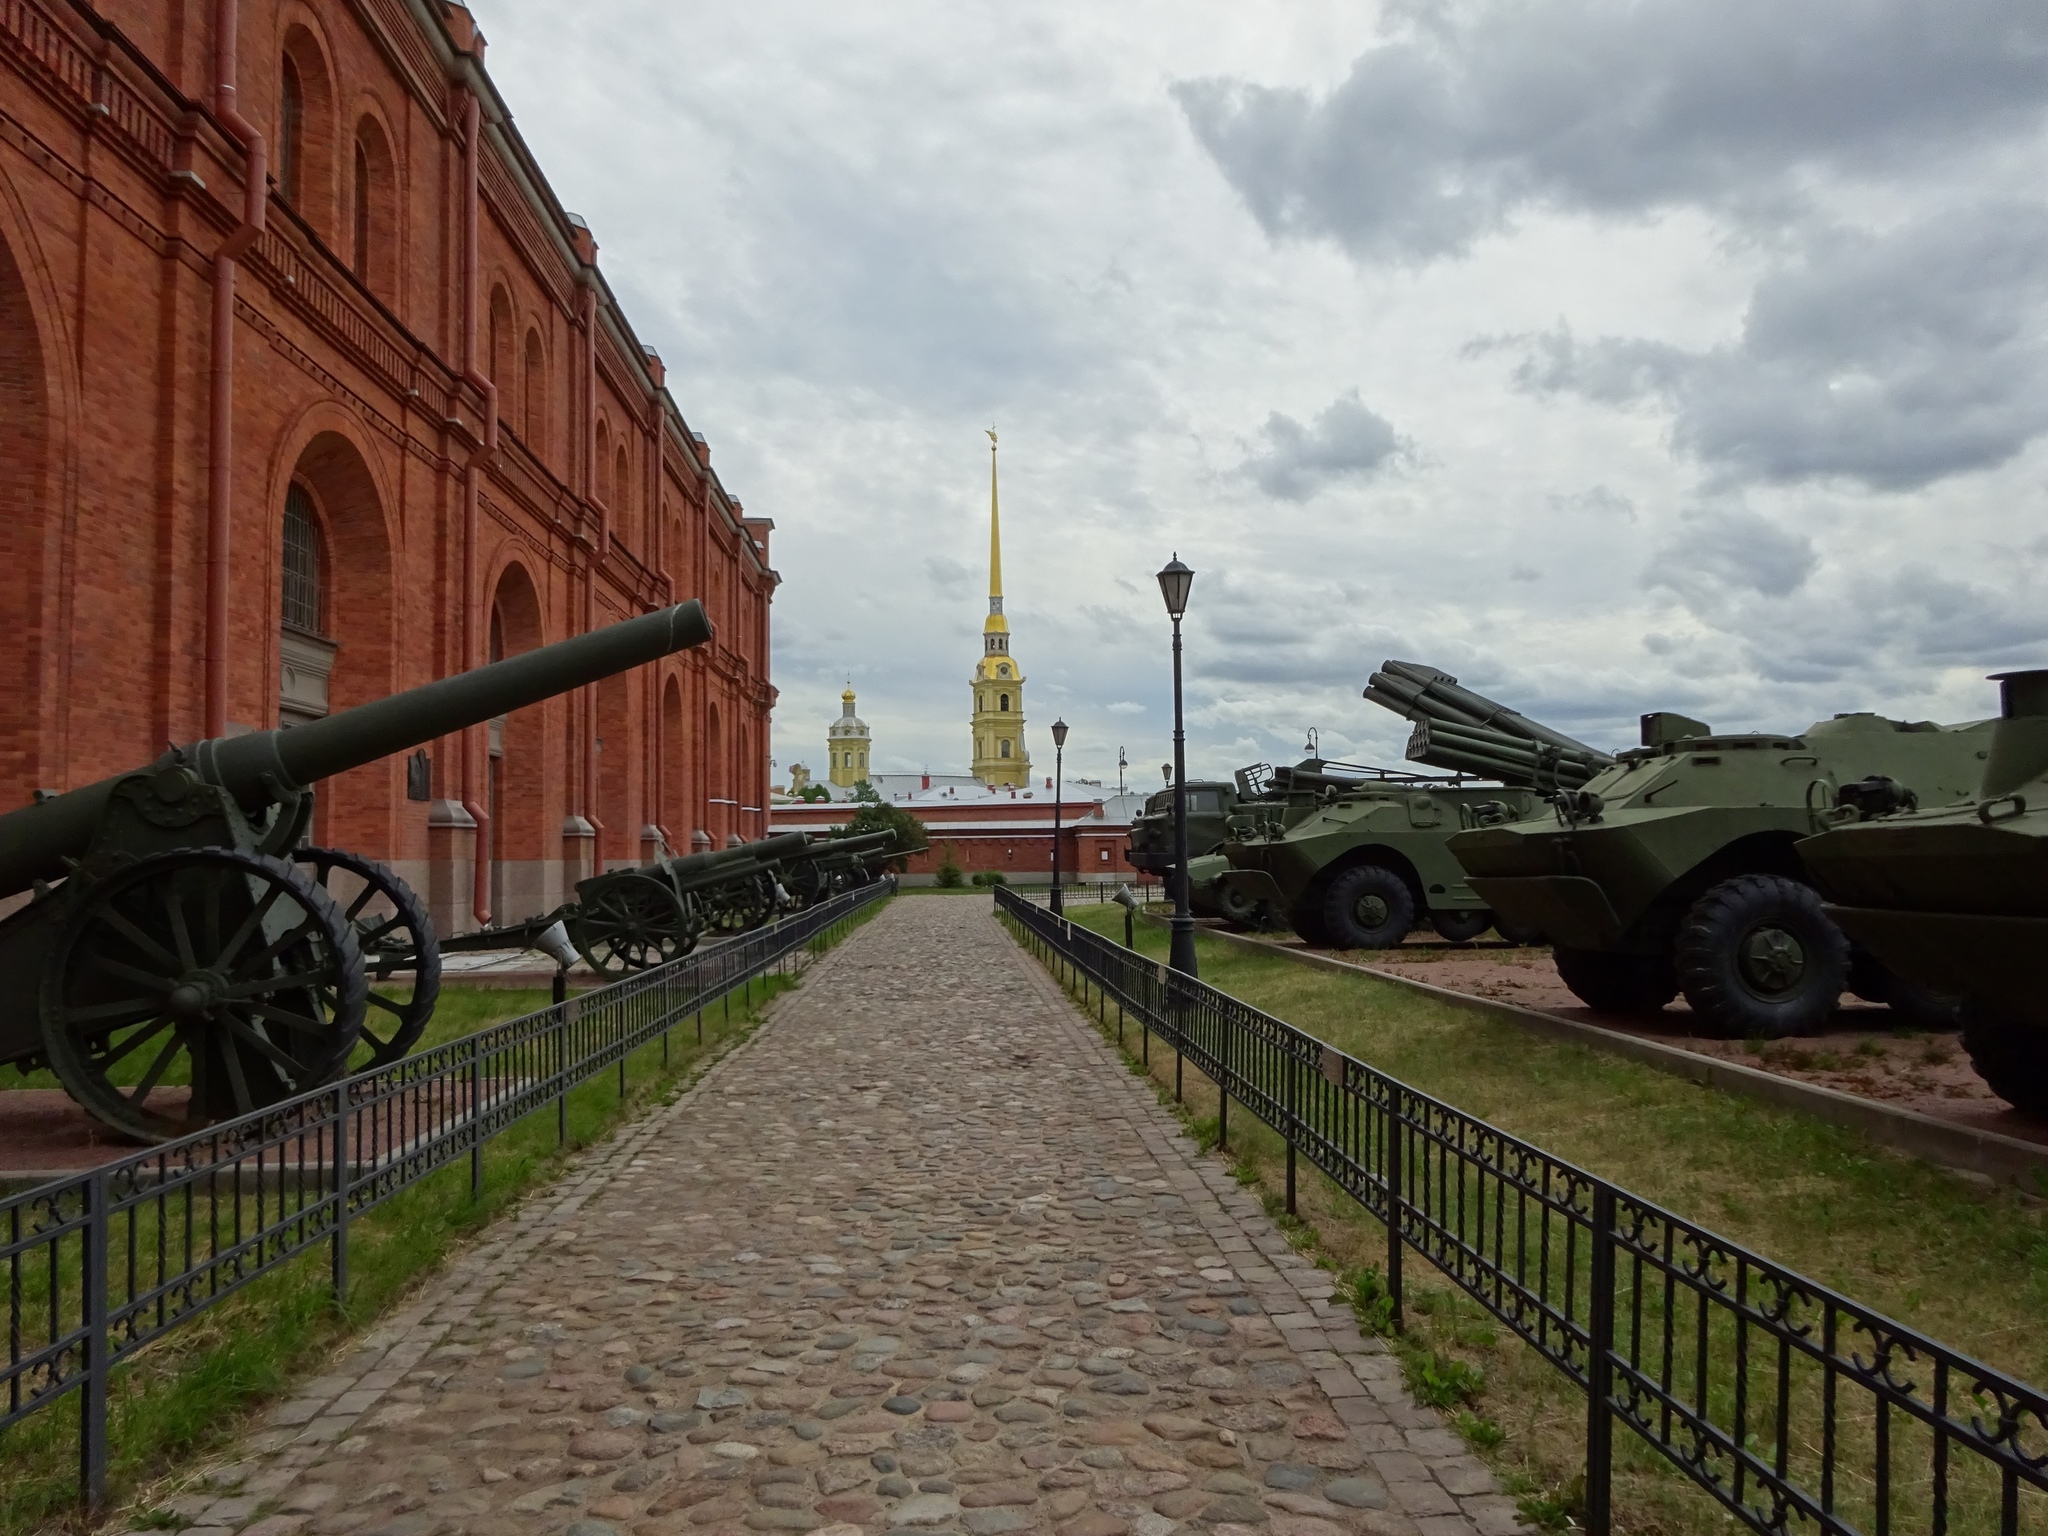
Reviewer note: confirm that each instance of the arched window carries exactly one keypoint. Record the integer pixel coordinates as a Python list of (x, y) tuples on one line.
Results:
[(291, 134), (303, 574), (501, 343), (359, 255), (603, 467), (622, 487), (1003, 703), (1006, 746), (536, 399)]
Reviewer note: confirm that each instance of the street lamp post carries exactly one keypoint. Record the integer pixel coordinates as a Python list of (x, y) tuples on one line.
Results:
[(1175, 582), (1059, 748)]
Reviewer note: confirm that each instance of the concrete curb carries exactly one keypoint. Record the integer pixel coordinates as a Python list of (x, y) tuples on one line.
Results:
[(1985, 1154)]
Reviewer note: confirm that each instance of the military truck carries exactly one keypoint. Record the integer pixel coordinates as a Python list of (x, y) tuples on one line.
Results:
[(1675, 870), (1955, 898)]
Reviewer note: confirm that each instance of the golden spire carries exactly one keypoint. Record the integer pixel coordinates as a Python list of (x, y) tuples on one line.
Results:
[(995, 534)]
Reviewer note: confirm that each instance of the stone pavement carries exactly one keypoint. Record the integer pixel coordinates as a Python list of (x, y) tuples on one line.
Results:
[(922, 1257)]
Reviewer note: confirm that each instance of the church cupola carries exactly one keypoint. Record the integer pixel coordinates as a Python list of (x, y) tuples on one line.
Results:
[(997, 720), (846, 744)]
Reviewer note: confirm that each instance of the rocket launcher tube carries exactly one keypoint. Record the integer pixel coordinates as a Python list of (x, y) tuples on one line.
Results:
[(1426, 691)]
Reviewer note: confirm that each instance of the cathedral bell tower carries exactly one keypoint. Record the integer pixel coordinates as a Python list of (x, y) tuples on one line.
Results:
[(998, 682)]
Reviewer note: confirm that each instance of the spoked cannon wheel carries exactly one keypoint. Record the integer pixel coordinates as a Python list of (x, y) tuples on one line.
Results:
[(743, 905), (631, 923), (228, 971), (396, 934)]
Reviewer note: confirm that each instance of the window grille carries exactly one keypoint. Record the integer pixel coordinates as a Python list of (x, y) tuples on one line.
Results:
[(302, 571)]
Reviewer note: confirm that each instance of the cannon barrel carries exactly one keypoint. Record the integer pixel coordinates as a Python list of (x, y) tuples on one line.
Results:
[(766, 851), (828, 847), (36, 840)]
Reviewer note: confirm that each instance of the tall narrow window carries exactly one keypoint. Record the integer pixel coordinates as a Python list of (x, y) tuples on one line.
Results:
[(536, 398), (302, 573), (291, 132), (361, 252)]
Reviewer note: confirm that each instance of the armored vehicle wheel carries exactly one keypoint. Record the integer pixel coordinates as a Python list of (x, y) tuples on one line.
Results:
[(1240, 908), (1757, 958), (229, 970), (2011, 1057), (1521, 934), (630, 923), (1368, 907), (1307, 921), (1616, 983), (396, 933), (1461, 927)]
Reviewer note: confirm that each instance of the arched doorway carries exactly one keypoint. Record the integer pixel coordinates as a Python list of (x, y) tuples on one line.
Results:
[(675, 819), (335, 647), (513, 784), (620, 842), (715, 820), (24, 464)]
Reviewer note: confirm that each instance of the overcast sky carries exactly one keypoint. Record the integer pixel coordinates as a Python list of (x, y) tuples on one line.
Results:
[(1678, 354)]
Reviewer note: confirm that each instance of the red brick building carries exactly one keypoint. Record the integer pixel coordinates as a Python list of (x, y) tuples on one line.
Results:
[(310, 390)]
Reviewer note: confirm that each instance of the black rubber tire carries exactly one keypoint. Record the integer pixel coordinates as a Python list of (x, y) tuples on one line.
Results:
[(1758, 959), (1515, 933), (2012, 1058), (1307, 921), (1616, 983), (1388, 914), (1460, 927)]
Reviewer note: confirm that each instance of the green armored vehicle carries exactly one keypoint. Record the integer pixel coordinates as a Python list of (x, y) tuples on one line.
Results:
[(1360, 866), (1273, 793), (1674, 870), (1363, 869), (1955, 898)]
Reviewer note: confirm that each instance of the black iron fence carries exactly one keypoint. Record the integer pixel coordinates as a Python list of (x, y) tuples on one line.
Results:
[(1795, 1407), (101, 1264)]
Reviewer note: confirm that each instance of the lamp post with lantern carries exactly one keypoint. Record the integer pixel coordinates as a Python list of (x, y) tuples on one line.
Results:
[(1175, 582), (1059, 747)]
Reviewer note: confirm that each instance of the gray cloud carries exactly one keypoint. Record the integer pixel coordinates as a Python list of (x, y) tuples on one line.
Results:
[(1346, 441), (1893, 360), (1465, 112), (1716, 553)]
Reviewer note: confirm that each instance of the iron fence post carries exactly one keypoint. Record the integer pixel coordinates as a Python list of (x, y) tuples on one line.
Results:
[(92, 1408), (476, 1121), (1225, 1038), (1293, 1123), (561, 994), (344, 1153), (1600, 1365), (1396, 1201)]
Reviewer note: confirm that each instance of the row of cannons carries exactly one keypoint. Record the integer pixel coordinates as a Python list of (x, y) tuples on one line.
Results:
[(184, 957), (1760, 874)]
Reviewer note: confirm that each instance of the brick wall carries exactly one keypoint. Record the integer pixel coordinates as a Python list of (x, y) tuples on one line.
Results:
[(117, 188)]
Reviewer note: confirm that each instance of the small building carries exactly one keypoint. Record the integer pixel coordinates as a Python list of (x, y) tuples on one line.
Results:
[(1007, 828)]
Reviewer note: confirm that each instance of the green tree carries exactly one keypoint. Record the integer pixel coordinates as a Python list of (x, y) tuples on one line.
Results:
[(877, 815)]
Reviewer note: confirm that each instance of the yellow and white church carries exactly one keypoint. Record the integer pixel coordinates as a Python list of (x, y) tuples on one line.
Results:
[(997, 721)]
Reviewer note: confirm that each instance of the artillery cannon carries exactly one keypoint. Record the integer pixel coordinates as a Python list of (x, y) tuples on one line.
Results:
[(1955, 898), (178, 929), (630, 920)]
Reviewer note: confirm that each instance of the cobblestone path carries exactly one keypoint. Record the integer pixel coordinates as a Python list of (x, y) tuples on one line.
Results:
[(921, 1258)]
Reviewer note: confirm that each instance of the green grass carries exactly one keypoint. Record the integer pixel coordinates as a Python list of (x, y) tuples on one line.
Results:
[(1960, 1261), (193, 1392)]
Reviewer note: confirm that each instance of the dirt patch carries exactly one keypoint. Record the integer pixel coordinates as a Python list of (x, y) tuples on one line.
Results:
[(1862, 1051)]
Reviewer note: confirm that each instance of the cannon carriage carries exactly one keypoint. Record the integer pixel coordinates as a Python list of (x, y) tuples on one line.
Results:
[(178, 929)]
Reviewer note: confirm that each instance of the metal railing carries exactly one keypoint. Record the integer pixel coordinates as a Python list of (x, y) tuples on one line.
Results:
[(1795, 1407), (101, 1264)]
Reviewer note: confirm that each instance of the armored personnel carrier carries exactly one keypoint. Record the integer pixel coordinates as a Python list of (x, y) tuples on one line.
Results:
[(1955, 898), (1674, 870)]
